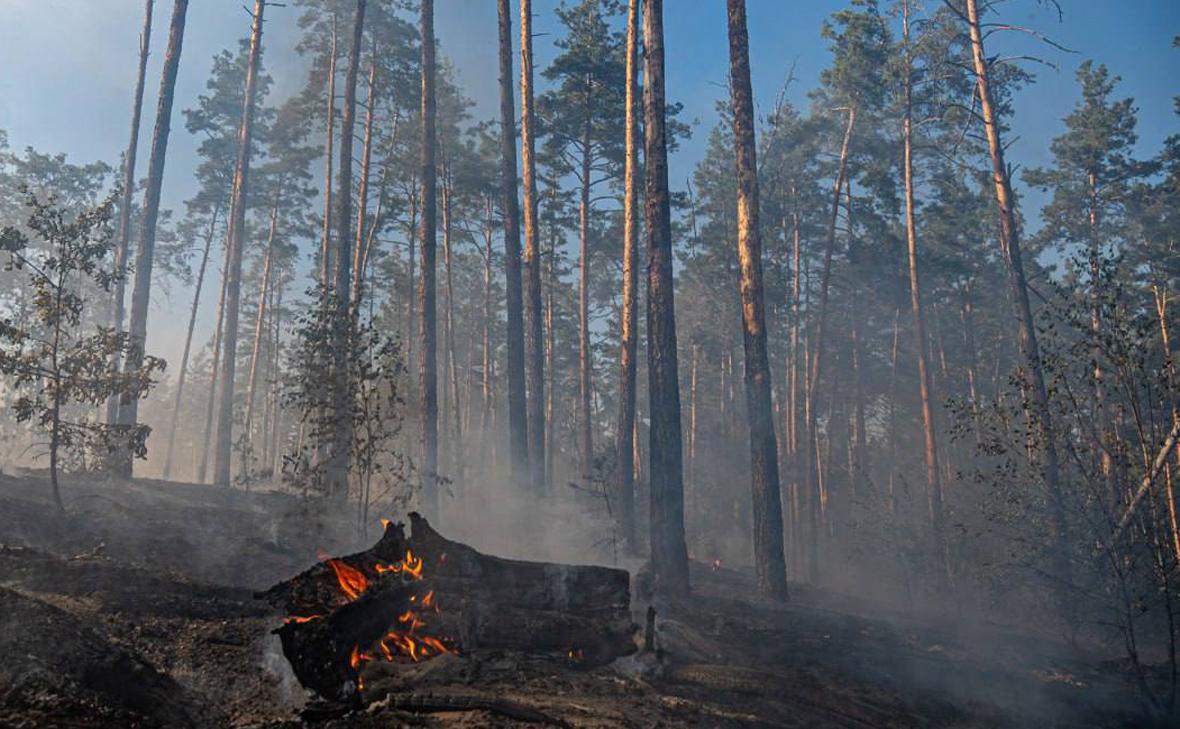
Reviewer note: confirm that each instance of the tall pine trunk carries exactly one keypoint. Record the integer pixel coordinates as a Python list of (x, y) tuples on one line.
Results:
[(362, 195), (256, 348), (933, 479), (188, 341), (337, 471), (427, 331), (237, 242), (534, 341), (128, 192), (669, 553), (329, 141), (1027, 334), (769, 565), (145, 252), (518, 429), (629, 320), (816, 364), (585, 385), (211, 404)]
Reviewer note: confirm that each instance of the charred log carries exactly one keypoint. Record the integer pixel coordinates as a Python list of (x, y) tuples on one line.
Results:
[(424, 595)]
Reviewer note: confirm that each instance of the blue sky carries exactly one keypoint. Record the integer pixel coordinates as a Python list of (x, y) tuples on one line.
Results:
[(67, 69)]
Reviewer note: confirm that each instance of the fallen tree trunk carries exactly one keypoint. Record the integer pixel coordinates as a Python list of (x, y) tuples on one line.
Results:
[(413, 598)]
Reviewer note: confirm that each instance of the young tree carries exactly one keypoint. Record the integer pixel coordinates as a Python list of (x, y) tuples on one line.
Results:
[(669, 552), (764, 481), (141, 294), (51, 361)]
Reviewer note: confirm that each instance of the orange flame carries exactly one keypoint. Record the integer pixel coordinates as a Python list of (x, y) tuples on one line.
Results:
[(410, 566), (301, 618), (352, 581)]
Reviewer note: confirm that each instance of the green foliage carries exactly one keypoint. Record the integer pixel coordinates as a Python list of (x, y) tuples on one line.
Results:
[(53, 362)]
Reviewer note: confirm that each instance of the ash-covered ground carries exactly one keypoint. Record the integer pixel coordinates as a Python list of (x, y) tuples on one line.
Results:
[(138, 610)]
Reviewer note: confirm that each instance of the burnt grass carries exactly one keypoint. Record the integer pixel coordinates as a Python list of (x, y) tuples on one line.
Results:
[(137, 609)]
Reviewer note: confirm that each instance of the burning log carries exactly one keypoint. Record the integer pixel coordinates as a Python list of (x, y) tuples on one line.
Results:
[(412, 598)]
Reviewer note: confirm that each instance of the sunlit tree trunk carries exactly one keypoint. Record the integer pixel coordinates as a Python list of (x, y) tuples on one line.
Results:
[(427, 331), (128, 192), (188, 341), (769, 566), (1010, 247), (534, 344), (518, 431), (145, 252), (933, 480), (223, 444), (669, 553), (629, 318)]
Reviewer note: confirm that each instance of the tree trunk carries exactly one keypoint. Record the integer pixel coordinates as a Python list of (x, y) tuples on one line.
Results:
[(933, 481), (669, 553), (769, 565), (629, 320), (337, 470), (534, 344), (276, 426), (188, 341), (858, 468), (519, 437), (455, 441), (550, 355), (362, 194), (145, 42), (329, 129), (1010, 248), (237, 242), (585, 427), (814, 370), (211, 403), (141, 295), (518, 429), (427, 331), (256, 349)]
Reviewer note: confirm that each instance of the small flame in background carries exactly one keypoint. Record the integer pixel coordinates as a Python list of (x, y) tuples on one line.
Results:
[(404, 640)]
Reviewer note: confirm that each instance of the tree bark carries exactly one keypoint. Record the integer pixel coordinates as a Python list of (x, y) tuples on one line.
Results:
[(427, 331), (1010, 248), (518, 428), (141, 294), (769, 566), (128, 192), (237, 242), (669, 552), (534, 344), (188, 341), (455, 440)]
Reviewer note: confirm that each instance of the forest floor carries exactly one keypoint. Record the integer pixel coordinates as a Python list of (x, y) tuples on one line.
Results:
[(138, 610)]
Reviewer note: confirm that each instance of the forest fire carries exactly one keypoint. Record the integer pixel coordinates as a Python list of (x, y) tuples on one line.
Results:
[(404, 640)]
